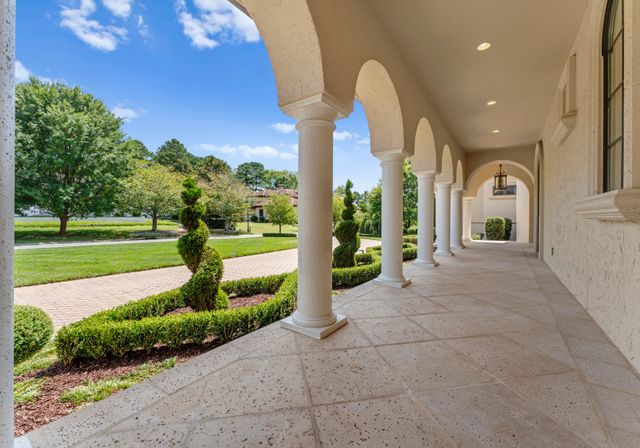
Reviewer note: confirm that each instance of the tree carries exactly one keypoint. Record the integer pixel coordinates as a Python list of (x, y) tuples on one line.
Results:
[(337, 208), (69, 160), (154, 190), (410, 199), (375, 208), (347, 232), (174, 154), (226, 198), (211, 166), (274, 179), (251, 174), (136, 149), (280, 211)]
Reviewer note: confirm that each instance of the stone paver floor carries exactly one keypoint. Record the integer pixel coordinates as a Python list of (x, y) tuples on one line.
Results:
[(487, 350), (70, 301)]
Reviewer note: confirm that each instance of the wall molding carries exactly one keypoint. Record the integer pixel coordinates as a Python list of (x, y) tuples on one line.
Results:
[(618, 205)]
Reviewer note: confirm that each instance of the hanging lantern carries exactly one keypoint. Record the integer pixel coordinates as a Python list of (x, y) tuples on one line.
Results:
[(500, 180)]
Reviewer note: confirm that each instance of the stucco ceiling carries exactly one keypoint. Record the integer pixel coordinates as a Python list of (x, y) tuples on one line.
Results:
[(531, 41)]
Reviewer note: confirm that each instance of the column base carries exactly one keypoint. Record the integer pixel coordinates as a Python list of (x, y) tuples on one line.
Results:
[(393, 283), (314, 332), (444, 253), (462, 246), (431, 263)]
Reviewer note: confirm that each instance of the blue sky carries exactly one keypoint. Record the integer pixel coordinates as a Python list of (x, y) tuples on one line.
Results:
[(194, 70)]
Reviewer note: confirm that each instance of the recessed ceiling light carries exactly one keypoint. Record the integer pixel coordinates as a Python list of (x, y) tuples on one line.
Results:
[(492, 103), (484, 46), (496, 131)]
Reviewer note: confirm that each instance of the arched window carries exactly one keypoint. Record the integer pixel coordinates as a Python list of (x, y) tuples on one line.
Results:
[(613, 53)]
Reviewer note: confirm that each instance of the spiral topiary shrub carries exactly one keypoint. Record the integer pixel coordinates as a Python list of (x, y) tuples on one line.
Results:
[(32, 330), (347, 233), (494, 228), (202, 292)]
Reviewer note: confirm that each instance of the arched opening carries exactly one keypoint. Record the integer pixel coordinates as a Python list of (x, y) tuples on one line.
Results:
[(424, 158), (538, 219), (377, 94), (446, 173), (516, 203)]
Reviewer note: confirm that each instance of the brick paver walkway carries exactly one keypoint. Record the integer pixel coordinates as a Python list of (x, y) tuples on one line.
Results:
[(67, 302)]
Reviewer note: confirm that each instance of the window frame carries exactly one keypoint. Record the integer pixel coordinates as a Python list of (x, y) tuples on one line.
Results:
[(608, 46)]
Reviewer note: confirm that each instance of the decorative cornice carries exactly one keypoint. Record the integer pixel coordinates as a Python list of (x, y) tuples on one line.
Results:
[(565, 126), (618, 205)]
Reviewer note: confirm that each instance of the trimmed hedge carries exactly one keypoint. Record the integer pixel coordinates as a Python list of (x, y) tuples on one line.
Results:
[(32, 330), (494, 228), (508, 226), (413, 239), (280, 235), (143, 325)]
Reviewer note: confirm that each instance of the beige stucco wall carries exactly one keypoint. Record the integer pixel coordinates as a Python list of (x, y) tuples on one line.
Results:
[(598, 261)]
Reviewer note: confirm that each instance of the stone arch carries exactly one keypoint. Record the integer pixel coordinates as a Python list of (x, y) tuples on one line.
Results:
[(424, 157), (446, 173), (459, 181), (289, 33), (514, 169), (377, 94)]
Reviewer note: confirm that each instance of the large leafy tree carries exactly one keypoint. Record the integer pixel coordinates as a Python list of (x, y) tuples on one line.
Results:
[(274, 179), (154, 190), (210, 166), (410, 200), (174, 154), (69, 160), (251, 174), (226, 198), (136, 149), (280, 211)]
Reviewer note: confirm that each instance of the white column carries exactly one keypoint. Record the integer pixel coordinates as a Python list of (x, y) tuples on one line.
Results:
[(456, 219), (7, 144), (314, 315), (425, 218), (467, 219), (392, 193), (443, 219)]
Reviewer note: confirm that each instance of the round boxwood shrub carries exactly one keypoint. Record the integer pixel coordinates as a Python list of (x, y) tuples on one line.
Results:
[(508, 225), (202, 291), (31, 331), (347, 233), (494, 228)]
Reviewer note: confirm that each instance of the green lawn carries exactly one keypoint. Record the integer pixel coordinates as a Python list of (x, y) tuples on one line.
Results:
[(36, 266), (265, 227), (32, 231)]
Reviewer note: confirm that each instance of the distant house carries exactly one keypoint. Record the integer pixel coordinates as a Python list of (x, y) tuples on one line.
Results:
[(261, 199)]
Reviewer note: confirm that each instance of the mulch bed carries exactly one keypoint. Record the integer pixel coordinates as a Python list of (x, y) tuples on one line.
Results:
[(47, 407)]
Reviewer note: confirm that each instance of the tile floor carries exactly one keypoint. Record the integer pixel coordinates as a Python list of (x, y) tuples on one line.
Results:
[(487, 350)]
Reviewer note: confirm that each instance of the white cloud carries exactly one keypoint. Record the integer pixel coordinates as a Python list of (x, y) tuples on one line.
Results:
[(364, 141), (91, 32), (215, 22), (127, 113), (22, 73), (343, 136), (143, 28), (284, 128), (119, 8), (249, 152)]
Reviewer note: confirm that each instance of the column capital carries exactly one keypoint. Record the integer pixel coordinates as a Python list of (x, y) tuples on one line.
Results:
[(396, 156), (468, 199), (428, 175), (321, 106)]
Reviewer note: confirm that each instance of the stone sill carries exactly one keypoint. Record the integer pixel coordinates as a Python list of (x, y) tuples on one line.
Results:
[(618, 205), (511, 197)]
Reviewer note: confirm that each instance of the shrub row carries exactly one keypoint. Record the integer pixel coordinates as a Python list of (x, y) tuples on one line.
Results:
[(143, 325), (32, 329), (280, 235)]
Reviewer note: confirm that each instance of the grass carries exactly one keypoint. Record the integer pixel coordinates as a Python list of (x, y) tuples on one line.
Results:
[(93, 391), (38, 266), (28, 390), (41, 360), (47, 231), (264, 227)]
